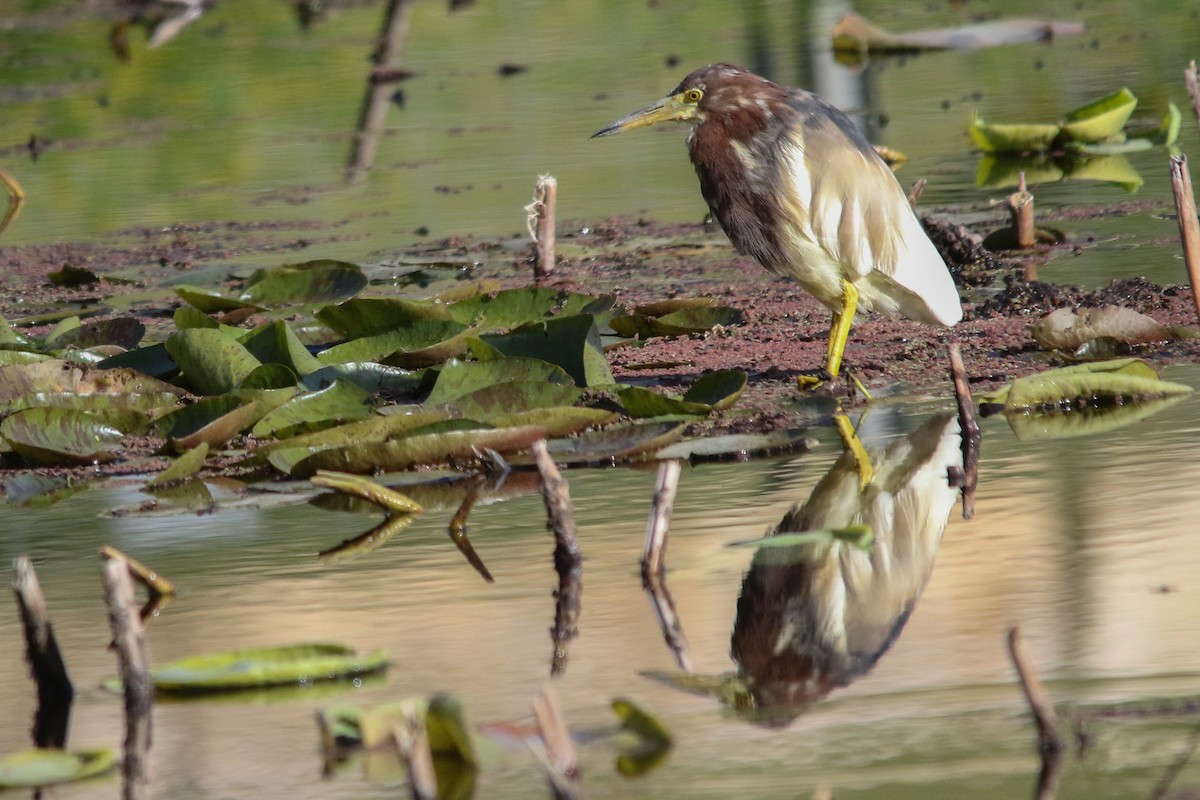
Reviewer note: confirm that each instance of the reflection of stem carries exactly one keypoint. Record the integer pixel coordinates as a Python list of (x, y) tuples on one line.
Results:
[(367, 542), (137, 684), (373, 114), (668, 619), (968, 426), (562, 768), (458, 533), (1164, 785), (54, 690), (1035, 694), (568, 558)]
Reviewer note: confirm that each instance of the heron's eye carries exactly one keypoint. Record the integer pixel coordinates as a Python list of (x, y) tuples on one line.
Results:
[(692, 96)]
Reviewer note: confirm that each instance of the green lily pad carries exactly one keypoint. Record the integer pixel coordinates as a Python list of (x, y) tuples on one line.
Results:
[(558, 421), (270, 377), (60, 436), (1012, 138), (1100, 119), (513, 308), (182, 468), (314, 411), (357, 486), (681, 322), (369, 375), (72, 277), (210, 301), (320, 281), (502, 399), (413, 450), (265, 667), (572, 343), (1168, 131), (211, 361), (460, 378), (31, 490), (617, 443), (276, 343), (123, 332), (192, 317), (152, 360), (371, 429), (713, 392), (58, 377), (736, 447), (641, 402), (419, 344), (368, 316), (47, 766), (211, 420), (1100, 383)]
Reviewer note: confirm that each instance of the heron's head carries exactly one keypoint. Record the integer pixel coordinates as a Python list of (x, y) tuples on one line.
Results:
[(712, 91)]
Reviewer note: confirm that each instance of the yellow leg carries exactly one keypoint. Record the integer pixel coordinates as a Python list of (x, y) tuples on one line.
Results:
[(839, 331), (850, 441)]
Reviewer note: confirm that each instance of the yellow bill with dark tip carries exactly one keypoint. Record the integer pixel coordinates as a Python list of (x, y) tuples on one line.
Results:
[(666, 110)]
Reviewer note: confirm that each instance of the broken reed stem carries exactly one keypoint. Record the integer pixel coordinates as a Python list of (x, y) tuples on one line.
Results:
[(1189, 227), (54, 690), (568, 558), (1020, 208), (968, 427), (1035, 694), (668, 620), (134, 668), (155, 584), (562, 767), (660, 519), (1191, 77), (542, 212)]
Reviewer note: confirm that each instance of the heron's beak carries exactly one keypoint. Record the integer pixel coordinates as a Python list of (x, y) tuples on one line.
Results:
[(666, 110)]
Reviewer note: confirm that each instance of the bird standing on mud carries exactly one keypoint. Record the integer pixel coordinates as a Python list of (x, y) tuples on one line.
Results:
[(796, 186)]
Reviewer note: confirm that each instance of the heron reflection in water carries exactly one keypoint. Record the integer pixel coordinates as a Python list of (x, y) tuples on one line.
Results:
[(816, 615)]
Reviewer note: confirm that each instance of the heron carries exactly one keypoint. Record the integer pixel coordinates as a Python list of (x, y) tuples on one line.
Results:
[(796, 186)]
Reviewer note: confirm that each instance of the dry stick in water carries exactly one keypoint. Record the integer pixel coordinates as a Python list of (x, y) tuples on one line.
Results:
[(562, 767), (54, 690), (134, 668), (652, 564), (568, 559), (412, 740), (541, 224), (1189, 227), (914, 194), (1020, 208), (969, 427)]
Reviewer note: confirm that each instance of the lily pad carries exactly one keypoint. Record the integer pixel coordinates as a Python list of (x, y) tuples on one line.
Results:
[(211, 361), (357, 486), (713, 392), (682, 322), (47, 766), (124, 332), (288, 665), (1100, 383), (58, 377), (314, 411), (513, 308), (371, 429), (60, 436), (572, 343), (71, 276), (211, 420), (276, 343), (413, 450), (320, 281), (1012, 138), (1100, 119), (369, 316), (182, 468), (618, 443), (558, 421), (503, 399), (460, 378), (419, 344), (210, 301)]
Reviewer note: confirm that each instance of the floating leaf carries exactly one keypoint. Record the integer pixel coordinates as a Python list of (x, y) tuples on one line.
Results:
[(210, 301), (152, 360), (320, 281), (503, 399), (212, 420), (416, 449), (737, 447), (314, 411), (59, 377), (1100, 119), (123, 332), (60, 436), (211, 361), (47, 766), (713, 392), (71, 277), (459, 378), (369, 316), (192, 317), (639, 401), (32, 490), (1086, 384), (367, 375), (421, 343), (682, 322), (276, 343), (181, 468), (1168, 130), (358, 486), (558, 421), (620, 443), (262, 668), (269, 377), (1011, 138), (513, 308), (572, 343), (1070, 329)]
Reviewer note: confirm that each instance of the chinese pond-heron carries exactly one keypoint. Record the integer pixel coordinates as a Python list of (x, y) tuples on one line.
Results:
[(796, 186)]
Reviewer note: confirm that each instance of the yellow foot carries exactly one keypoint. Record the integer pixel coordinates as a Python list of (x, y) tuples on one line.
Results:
[(851, 443), (810, 383)]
